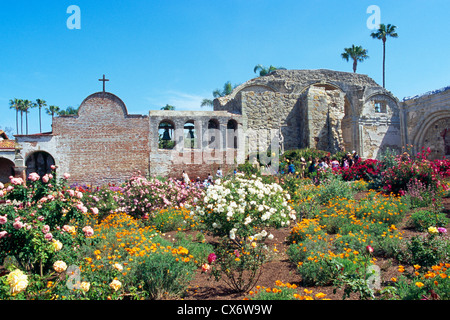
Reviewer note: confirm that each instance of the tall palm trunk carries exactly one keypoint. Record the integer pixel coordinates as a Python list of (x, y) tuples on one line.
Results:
[(40, 124), (384, 62), (17, 121)]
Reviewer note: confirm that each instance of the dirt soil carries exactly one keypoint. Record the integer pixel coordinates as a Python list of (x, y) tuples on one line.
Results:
[(202, 287)]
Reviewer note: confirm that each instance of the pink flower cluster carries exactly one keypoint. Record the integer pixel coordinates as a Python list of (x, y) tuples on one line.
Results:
[(142, 196)]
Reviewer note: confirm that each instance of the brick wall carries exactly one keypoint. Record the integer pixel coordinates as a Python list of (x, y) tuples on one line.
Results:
[(103, 144)]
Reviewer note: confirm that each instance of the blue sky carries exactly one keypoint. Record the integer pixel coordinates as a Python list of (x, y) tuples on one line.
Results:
[(158, 52)]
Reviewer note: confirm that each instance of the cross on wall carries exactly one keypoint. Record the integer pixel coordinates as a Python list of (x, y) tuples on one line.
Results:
[(103, 80)]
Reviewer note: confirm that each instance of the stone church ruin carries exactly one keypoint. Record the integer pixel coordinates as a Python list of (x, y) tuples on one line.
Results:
[(292, 109)]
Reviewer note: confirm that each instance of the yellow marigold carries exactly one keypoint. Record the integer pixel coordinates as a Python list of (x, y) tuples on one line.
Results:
[(419, 284)]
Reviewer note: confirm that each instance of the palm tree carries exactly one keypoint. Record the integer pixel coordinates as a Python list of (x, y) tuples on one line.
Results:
[(357, 53), (382, 33), (207, 102), (21, 109), (68, 111), (264, 71), (52, 110), (227, 89), (40, 103), (14, 104), (168, 107), (27, 104)]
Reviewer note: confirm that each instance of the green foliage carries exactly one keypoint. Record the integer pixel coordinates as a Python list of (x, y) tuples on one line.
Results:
[(421, 220), (162, 275), (239, 265), (333, 186), (427, 250)]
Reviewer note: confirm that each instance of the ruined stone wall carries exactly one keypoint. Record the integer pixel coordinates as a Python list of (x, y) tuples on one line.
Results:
[(266, 113), (379, 126), (325, 109), (427, 120), (103, 144), (322, 109)]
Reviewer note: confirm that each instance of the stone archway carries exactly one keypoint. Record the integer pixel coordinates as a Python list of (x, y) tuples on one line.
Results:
[(39, 162), (6, 169), (434, 134)]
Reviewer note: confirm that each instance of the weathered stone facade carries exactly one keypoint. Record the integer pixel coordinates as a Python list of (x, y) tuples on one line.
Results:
[(427, 122), (321, 109), (291, 109)]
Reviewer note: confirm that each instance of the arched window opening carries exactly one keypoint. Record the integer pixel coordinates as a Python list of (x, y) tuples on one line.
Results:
[(166, 131), (213, 134), (39, 162), (190, 135), (232, 134), (6, 169)]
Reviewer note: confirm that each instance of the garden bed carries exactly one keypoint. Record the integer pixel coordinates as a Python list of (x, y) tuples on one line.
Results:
[(203, 287), (246, 237)]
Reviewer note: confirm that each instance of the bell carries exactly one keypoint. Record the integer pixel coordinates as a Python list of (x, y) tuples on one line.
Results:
[(166, 135), (190, 134)]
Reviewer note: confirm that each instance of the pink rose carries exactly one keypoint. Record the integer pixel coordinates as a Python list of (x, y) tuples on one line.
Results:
[(94, 210), (71, 192), (46, 229), (45, 178), (33, 176), (18, 224), (16, 181), (53, 167), (88, 231), (48, 236), (3, 219), (3, 234), (66, 176)]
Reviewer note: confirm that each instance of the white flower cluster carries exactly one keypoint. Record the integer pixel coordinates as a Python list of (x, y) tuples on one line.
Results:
[(241, 204)]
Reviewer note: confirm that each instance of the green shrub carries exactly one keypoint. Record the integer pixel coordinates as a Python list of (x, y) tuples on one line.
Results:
[(427, 250), (421, 220), (164, 275), (334, 186)]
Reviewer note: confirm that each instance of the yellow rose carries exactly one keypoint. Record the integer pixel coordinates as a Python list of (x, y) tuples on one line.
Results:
[(60, 266), (57, 245), (17, 280), (115, 284), (433, 230), (118, 266), (85, 286)]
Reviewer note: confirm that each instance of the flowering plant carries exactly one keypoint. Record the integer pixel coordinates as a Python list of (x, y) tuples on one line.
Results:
[(407, 169), (141, 197), (39, 217), (241, 209)]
